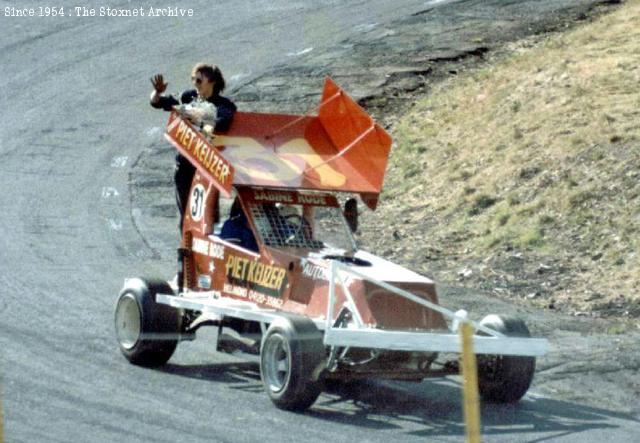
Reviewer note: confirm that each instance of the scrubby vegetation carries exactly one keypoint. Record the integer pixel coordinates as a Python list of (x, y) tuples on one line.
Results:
[(525, 173)]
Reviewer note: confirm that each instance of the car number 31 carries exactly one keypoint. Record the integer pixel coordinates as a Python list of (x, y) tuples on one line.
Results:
[(197, 202)]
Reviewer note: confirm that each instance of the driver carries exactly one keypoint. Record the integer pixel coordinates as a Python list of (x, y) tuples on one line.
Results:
[(280, 230), (286, 224), (208, 83)]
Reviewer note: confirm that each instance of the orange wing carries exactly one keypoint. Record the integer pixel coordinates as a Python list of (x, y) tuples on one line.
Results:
[(342, 149)]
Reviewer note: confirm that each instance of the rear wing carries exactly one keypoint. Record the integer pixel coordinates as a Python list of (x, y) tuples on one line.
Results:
[(342, 149)]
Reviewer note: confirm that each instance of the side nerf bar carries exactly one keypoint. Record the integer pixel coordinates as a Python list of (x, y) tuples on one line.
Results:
[(432, 342), (362, 336), (359, 335)]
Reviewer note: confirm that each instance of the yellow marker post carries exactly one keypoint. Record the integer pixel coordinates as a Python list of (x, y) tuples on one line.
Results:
[(470, 384)]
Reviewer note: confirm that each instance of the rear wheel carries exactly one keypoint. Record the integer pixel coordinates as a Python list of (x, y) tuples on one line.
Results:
[(147, 332), (505, 378), (291, 352)]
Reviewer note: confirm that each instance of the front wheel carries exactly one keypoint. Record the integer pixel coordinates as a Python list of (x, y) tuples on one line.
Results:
[(505, 378), (147, 332), (290, 354)]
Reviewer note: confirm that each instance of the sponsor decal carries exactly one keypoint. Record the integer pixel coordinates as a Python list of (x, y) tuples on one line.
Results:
[(308, 199), (315, 272), (216, 251), (235, 290), (199, 151), (294, 198), (270, 280), (276, 197), (204, 281), (205, 247), (206, 155), (252, 295), (200, 246), (265, 299), (288, 166)]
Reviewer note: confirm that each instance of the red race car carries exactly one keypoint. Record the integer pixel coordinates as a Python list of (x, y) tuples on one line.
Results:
[(269, 258)]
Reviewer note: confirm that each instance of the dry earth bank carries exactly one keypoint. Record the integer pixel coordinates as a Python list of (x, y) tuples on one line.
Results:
[(522, 177)]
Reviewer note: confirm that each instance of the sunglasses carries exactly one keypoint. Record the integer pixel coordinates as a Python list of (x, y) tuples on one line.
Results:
[(196, 80)]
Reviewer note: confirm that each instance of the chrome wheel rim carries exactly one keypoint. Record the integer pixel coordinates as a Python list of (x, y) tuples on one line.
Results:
[(276, 360), (128, 321)]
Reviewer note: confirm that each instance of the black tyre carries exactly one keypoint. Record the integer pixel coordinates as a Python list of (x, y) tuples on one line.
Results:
[(147, 332), (505, 378), (291, 353)]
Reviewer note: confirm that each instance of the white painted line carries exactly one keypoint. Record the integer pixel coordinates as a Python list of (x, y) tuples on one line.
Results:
[(115, 225), (154, 131), (434, 2), (366, 27), (237, 77), (296, 54), (109, 191), (119, 162)]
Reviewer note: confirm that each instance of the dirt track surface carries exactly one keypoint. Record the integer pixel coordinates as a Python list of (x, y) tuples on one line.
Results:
[(87, 201)]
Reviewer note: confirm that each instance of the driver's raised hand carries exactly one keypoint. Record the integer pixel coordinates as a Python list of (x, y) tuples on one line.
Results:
[(159, 86), (158, 83)]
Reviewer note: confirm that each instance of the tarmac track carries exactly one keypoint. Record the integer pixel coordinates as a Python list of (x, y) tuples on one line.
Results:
[(87, 201)]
